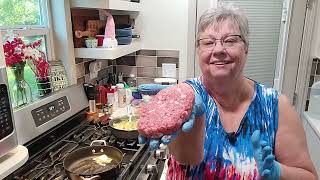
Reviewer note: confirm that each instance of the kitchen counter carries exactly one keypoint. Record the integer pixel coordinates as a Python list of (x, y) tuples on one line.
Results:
[(312, 130), (13, 160), (313, 122)]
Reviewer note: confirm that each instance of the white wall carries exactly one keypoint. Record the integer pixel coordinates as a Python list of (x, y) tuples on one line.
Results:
[(171, 25), (166, 27), (315, 51)]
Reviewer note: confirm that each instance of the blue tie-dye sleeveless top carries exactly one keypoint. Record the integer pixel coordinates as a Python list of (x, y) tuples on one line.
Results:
[(226, 157)]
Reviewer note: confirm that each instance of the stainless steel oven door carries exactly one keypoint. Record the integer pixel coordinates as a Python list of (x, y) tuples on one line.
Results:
[(8, 138)]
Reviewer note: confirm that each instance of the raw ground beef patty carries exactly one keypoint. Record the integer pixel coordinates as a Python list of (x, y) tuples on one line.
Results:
[(167, 111)]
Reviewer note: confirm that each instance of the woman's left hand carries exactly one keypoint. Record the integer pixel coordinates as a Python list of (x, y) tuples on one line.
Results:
[(198, 110), (268, 167)]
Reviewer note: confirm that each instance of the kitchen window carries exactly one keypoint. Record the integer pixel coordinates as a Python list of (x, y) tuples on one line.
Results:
[(28, 20)]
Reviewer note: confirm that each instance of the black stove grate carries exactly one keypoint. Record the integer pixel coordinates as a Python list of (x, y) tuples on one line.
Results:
[(48, 151)]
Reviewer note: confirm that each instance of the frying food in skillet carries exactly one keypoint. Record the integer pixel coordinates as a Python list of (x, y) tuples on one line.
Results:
[(125, 124), (93, 165)]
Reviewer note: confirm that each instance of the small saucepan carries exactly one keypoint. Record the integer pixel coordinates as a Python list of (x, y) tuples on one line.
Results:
[(93, 162), (122, 128)]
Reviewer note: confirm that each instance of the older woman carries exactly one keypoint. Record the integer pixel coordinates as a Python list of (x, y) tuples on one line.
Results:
[(249, 130)]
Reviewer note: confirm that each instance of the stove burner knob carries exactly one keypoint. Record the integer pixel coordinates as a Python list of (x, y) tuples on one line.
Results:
[(152, 169), (160, 154)]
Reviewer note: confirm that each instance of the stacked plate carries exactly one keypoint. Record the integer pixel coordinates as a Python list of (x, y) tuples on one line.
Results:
[(123, 34)]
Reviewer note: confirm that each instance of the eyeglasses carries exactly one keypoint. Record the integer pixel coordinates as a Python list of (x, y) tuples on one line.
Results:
[(228, 41)]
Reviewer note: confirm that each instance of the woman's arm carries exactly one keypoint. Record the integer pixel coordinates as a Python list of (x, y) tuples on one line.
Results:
[(291, 148), (187, 148)]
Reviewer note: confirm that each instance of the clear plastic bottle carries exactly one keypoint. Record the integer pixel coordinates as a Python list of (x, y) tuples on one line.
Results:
[(132, 81), (110, 94), (121, 95), (129, 97)]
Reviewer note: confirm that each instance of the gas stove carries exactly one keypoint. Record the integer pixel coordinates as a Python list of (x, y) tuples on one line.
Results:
[(48, 150)]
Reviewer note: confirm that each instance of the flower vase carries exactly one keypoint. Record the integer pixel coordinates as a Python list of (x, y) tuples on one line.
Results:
[(44, 86), (21, 90)]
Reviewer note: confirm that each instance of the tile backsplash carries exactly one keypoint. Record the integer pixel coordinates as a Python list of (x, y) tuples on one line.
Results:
[(314, 77), (144, 64)]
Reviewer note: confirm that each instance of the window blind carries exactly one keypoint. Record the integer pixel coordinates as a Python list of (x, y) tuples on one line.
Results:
[(264, 24)]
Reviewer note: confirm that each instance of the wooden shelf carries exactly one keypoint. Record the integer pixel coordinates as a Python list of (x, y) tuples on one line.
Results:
[(124, 5), (106, 53)]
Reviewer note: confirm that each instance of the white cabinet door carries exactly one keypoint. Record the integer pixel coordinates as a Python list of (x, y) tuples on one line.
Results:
[(314, 145)]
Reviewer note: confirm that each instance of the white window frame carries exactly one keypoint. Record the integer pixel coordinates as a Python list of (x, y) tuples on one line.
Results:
[(35, 30)]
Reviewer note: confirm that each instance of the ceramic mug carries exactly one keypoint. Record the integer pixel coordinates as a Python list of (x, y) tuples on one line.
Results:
[(91, 42), (100, 39)]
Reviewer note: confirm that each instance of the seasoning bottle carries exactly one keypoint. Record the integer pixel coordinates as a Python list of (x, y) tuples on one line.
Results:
[(121, 95)]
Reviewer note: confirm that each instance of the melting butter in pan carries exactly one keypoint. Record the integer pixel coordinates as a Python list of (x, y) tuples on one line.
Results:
[(102, 160)]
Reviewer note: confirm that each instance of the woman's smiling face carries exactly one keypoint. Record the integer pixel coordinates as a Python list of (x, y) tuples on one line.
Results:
[(217, 61)]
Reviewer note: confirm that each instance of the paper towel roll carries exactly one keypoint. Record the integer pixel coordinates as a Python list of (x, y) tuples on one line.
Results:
[(94, 68)]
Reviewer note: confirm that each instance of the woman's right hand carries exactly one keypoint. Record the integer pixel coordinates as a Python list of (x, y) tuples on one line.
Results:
[(198, 110)]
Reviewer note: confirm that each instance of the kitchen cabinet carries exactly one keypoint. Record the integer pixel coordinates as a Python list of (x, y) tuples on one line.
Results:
[(123, 5), (312, 129)]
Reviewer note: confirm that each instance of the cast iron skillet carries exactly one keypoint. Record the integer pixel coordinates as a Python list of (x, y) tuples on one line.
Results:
[(122, 134), (80, 164)]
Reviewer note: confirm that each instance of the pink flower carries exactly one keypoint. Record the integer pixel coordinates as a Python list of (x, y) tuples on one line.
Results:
[(16, 52), (13, 51)]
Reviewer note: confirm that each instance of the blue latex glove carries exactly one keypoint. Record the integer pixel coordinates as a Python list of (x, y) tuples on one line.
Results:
[(198, 110), (151, 89), (268, 167)]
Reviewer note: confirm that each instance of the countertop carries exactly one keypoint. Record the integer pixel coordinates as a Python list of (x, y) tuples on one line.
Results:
[(13, 160), (313, 121)]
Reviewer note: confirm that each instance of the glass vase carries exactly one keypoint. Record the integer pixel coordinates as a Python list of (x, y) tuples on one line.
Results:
[(21, 90)]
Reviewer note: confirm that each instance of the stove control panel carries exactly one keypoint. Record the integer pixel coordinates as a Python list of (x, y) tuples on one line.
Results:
[(6, 124), (49, 111)]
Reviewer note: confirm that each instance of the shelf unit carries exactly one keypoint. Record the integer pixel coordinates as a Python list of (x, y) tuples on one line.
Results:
[(108, 53), (123, 5)]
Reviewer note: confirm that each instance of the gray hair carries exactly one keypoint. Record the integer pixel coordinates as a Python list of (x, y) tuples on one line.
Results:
[(225, 12)]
